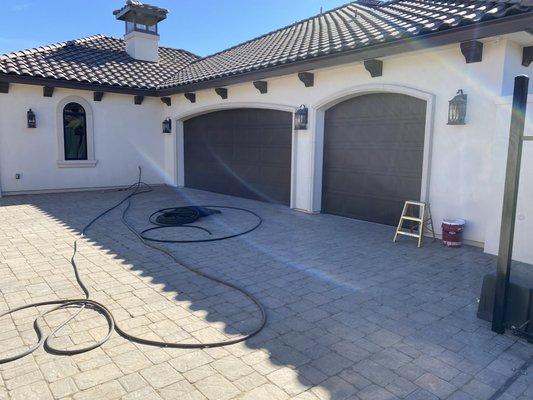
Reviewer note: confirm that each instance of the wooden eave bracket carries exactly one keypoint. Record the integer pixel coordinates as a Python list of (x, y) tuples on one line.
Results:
[(190, 96), (138, 100), (308, 78), (222, 92), (472, 51), (374, 67), (527, 56), (4, 87), (262, 86), (48, 91), (167, 101), (97, 96)]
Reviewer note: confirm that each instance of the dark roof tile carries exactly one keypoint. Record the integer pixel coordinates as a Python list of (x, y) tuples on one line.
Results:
[(96, 59), (355, 25)]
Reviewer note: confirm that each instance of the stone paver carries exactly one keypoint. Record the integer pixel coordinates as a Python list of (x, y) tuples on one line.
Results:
[(351, 315), (159, 376), (217, 387)]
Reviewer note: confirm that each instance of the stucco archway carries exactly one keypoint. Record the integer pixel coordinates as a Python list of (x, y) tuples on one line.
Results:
[(211, 108), (319, 109)]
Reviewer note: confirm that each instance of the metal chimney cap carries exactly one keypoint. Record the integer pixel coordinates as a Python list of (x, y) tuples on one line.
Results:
[(136, 11)]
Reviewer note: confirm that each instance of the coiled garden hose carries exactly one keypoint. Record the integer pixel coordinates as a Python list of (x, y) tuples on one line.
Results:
[(187, 214)]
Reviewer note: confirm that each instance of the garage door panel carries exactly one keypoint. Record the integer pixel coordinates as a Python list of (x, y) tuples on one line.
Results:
[(274, 194), (409, 185), (219, 136), (375, 133), (276, 155), (249, 137), (273, 175), (373, 155), (360, 207), (249, 173), (410, 161), (372, 185), (244, 152), (220, 153), (275, 137)]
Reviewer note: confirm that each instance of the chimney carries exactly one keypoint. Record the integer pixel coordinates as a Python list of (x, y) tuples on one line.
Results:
[(141, 37)]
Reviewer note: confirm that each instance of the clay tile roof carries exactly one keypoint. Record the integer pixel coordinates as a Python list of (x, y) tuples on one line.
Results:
[(356, 25), (96, 59)]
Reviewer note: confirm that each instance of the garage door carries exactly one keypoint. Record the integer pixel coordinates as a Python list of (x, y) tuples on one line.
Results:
[(373, 154), (242, 152)]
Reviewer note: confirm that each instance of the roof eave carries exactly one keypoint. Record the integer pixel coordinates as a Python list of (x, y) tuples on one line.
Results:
[(480, 30), (31, 80)]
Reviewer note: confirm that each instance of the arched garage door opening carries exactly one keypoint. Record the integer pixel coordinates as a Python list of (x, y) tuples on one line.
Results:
[(241, 152), (373, 156)]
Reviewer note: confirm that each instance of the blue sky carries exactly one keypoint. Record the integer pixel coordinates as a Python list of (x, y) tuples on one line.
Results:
[(200, 26)]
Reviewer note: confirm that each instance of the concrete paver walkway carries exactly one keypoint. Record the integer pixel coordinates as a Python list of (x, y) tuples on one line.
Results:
[(351, 315)]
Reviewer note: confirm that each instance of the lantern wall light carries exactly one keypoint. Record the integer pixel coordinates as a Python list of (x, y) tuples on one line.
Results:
[(457, 109), (30, 116), (300, 118), (167, 126)]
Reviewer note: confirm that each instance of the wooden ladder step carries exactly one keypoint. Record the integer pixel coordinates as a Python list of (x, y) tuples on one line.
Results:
[(415, 203), (408, 234), (412, 218)]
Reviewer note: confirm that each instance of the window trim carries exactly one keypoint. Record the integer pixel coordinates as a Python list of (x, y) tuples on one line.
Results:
[(61, 161), (83, 115)]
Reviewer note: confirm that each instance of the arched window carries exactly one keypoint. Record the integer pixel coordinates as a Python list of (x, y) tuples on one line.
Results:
[(75, 132)]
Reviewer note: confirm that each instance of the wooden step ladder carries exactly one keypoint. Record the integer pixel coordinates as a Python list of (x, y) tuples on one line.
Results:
[(417, 225)]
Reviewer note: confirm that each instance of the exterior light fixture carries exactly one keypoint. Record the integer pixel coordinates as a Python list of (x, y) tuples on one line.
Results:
[(32, 123), (300, 118), (167, 126), (457, 109)]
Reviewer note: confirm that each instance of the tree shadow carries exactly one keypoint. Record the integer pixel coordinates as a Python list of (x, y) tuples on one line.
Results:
[(349, 313)]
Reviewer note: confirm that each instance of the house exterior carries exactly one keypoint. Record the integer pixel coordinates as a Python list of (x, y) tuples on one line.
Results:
[(376, 78)]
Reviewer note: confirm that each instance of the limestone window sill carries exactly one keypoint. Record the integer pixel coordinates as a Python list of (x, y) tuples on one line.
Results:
[(76, 163)]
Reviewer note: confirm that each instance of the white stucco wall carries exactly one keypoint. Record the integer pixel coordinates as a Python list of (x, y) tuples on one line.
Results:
[(522, 249), (125, 136), (513, 52)]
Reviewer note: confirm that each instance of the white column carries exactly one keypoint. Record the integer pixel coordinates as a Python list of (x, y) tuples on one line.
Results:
[(305, 166)]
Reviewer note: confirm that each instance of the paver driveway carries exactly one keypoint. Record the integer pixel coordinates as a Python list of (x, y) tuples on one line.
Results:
[(351, 315)]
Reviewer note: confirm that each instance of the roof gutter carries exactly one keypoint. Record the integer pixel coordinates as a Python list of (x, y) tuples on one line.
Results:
[(515, 23)]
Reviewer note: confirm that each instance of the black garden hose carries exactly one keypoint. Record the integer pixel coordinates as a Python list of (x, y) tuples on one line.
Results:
[(138, 188), (153, 219)]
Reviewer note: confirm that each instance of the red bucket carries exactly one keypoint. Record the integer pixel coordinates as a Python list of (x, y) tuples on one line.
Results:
[(452, 232)]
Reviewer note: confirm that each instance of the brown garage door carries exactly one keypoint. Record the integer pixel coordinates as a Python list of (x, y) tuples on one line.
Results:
[(373, 153), (242, 152)]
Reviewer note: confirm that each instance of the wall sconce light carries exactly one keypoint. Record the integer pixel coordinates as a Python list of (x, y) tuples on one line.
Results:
[(300, 118), (167, 126), (457, 109), (32, 122)]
